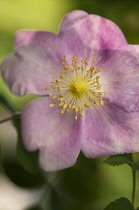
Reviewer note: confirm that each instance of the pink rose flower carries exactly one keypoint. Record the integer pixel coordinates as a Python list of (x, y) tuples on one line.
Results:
[(92, 77)]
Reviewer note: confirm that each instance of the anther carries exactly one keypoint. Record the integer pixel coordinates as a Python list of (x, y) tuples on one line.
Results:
[(54, 87), (47, 88), (61, 76), (61, 99), (76, 109), (50, 105), (66, 67), (53, 82), (54, 96), (64, 106), (87, 105), (62, 112), (90, 99), (53, 76), (61, 104), (94, 59), (102, 102), (57, 80), (96, 103), (56, 101), (75, 117)]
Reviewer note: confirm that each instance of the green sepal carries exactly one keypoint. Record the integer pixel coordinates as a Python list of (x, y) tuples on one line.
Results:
[(120, 204), (29, 160)]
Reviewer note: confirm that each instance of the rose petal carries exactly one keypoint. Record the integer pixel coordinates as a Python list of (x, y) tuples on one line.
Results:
[(94, 31), (109, 130), (120, 78), (31, 68), (54, 134)]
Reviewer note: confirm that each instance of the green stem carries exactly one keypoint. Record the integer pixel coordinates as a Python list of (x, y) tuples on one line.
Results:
[(15, 116), (6, 104), (134, 185), (133, 189)]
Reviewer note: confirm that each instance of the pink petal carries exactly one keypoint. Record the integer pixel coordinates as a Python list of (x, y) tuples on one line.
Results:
[(109, 130), (54, 134), (30, 69), (120, 77), (94, 31)]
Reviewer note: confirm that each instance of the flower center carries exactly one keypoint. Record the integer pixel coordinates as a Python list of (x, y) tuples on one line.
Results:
[(77, 87), (80, 86)]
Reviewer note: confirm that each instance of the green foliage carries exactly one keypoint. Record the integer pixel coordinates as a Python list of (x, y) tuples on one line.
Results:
[(34, 208), (117, 160), (29, 160), (24, 179), (120, 204)]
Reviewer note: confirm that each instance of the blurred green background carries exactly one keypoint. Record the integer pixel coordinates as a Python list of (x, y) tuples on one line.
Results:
[(90, 184)]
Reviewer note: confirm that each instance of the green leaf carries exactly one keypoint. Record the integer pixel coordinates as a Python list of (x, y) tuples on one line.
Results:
[(29, 160), (137, 208), (24, 179), (120, 204), (6, 103), (116, 160)]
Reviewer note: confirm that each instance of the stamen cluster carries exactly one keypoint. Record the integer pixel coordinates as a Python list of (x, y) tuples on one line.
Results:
[(77, 87)]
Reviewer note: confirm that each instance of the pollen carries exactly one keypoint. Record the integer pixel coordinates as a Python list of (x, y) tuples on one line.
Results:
[(77, 87)]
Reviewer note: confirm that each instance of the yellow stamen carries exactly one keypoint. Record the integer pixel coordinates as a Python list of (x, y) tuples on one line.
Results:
[(53, 82), (64, 106), (50, 105), (61, 99), (75, 117), (61, 104), (76, 109), (94, 59), (102, 102), (90, 99), (96, 103), (77, 87), (53, 76), (47, 88), (54, 96), (62, 112)]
